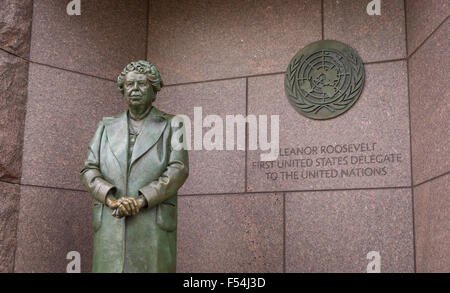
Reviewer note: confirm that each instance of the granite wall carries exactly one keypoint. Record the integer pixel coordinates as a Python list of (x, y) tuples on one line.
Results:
[(229, 57), (15, 29), (428, 28)]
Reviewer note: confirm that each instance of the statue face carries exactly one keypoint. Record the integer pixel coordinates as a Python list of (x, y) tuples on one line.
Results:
[(138, 91)]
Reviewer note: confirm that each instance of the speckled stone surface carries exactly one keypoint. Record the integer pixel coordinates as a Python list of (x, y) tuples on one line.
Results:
[(52, 223), (375, 38), (326, 231), (432, 224), (15, 26), (422, 18), (202, 40), (13, 99), (210, 171), (63, 111), (334, 231), (380, 116), (9, 214), (230, 233), (101, 41), (430, 107)]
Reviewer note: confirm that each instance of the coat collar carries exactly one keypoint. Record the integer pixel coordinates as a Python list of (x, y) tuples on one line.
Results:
[(117, 132)]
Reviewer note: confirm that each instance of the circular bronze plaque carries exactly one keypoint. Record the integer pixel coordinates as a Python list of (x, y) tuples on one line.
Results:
[(324, 79)]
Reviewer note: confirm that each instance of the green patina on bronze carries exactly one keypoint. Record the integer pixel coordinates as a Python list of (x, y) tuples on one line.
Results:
[(324, 79), (134, 168)]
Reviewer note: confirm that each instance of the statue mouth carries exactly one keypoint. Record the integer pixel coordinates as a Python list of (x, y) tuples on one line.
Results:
[(135, 99)]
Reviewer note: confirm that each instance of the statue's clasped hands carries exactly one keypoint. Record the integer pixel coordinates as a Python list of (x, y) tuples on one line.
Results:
[(125, 206)]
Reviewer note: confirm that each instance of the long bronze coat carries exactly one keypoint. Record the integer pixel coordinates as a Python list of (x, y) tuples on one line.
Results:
[(145, 242)]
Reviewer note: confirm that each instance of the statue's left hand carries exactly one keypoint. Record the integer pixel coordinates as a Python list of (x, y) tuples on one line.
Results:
[(128, 206)]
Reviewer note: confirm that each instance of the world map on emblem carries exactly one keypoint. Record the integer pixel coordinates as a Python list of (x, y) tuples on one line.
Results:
[(324, 79)]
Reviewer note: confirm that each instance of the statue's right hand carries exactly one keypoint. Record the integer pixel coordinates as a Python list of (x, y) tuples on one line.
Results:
[(124, 206), (111, 202), (117, 213), (128, 206)]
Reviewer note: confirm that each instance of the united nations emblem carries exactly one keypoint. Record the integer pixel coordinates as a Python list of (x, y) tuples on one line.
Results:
[(324, 79)]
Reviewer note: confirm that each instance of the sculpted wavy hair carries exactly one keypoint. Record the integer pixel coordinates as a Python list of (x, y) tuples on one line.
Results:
[(143, 67)]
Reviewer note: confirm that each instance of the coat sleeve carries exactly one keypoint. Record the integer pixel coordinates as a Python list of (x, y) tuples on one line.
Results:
[(176, 172), (90, 175)]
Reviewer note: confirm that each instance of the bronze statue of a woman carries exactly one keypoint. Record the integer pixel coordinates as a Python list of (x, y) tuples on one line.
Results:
[(134, 172)]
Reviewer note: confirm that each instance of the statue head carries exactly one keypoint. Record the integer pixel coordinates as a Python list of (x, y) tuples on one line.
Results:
[(139, 82)]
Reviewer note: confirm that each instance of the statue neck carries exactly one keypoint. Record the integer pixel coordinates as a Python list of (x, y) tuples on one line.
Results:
[(139, 114)]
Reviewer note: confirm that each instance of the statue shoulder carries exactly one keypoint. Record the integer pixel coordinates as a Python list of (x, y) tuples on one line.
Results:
[(170, 120), (174, 123), (164, 114), (107, 120), (169, 116)]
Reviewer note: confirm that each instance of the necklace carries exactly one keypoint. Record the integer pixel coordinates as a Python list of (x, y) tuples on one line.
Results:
[(135, 128), (134, 131)]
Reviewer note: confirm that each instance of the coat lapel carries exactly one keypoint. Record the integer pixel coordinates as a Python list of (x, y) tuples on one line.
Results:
[(154, 125), (117, 133)]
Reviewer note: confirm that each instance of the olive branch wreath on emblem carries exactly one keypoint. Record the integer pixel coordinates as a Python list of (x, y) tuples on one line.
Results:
[(350, 96)]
